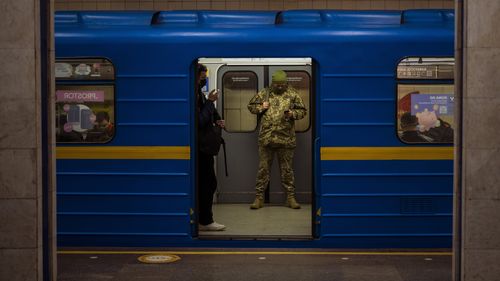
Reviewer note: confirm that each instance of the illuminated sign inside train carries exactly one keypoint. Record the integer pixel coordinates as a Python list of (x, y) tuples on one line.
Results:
[(418, 72)]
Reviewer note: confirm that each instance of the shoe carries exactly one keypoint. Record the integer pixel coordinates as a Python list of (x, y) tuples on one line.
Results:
[(257, 204), (212, 227), (292, 203)]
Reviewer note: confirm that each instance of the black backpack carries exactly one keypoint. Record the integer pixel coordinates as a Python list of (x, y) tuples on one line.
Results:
[(210, 140)]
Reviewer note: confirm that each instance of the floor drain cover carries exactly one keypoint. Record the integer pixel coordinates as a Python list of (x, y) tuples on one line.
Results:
[(158, 258)]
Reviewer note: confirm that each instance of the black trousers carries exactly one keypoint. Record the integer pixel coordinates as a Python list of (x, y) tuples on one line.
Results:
[(207, 184)]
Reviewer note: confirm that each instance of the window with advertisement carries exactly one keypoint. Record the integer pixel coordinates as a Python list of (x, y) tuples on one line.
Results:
[(425, 95), (84, 101)]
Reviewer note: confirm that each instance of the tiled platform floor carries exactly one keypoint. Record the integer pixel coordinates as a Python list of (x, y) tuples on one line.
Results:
[(285, 265)]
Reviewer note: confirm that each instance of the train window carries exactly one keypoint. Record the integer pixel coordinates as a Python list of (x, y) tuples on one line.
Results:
[(84, 109), (238, 87), (301, 81), (425, 100)]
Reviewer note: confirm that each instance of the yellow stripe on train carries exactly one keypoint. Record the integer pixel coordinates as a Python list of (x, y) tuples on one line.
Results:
[(123, 152), (183, 152), (387, 153)]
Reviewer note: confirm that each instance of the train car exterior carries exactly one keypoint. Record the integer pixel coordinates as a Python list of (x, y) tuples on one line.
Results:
[(132, 181)]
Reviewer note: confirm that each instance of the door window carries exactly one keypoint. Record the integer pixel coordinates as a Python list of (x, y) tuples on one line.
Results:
[(301, 81), (238, 87)]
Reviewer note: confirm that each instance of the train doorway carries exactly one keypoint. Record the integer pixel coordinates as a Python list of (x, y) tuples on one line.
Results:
[(238, 80)]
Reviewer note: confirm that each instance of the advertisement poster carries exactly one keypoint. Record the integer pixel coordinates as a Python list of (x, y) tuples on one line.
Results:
[(441, 104)]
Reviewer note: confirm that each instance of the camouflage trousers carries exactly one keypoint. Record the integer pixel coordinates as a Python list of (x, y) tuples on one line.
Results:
[(285, 158)]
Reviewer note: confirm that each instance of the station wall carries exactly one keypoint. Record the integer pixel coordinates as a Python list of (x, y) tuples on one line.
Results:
[(251, 4)]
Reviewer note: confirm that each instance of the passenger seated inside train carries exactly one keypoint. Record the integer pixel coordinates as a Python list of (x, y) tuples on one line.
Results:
[(103, 129), (410, 133), (442, 133), (433, 128), (64, 134)]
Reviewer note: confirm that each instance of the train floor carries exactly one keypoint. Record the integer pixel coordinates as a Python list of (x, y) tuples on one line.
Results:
[(252, 265), (272, 220)]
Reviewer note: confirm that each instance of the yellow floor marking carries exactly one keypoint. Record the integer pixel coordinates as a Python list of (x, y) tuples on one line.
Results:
[(64, 252)]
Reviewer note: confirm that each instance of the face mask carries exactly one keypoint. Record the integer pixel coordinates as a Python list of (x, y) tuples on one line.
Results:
[(202, 83), (279, 89)]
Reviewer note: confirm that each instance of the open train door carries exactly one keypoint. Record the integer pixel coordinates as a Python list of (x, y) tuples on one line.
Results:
[(239, 80)]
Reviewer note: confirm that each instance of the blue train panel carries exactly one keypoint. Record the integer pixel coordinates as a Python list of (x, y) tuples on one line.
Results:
[(139, 189)]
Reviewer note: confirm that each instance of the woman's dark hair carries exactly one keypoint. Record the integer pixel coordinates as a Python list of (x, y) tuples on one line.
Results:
[(408, 120), (201, 68), (102, 115)]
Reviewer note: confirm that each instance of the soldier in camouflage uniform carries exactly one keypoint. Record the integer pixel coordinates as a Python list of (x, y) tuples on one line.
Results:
[(278, 106)]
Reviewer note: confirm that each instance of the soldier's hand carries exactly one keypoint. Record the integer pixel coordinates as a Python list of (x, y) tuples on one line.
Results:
[(213, 95), (265, 105), (221, 123), (288, 114)]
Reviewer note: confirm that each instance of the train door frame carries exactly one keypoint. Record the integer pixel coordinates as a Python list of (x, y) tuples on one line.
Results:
[(264, 68)]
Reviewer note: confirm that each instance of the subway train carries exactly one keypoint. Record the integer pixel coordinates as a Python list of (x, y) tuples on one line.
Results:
[(374, 158)]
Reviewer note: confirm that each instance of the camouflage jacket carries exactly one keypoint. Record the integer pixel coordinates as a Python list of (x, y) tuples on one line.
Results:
[(275, 129)]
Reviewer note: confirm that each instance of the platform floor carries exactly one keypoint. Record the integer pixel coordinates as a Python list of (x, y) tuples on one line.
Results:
[(252, 265)]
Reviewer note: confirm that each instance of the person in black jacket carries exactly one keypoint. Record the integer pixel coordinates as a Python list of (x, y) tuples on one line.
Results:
[(409, 126), (442, 133), (207, 181)]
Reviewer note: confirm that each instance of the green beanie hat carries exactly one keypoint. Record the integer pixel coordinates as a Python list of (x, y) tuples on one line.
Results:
[(279, 76)]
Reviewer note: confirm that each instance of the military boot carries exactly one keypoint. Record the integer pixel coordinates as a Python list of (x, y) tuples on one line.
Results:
[(292, 203), (258, 203)]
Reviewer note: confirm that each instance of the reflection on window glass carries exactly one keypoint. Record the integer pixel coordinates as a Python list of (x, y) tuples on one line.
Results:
[(84, 113), (84, 69), (300, 81), (238, 88), (425, 113)]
